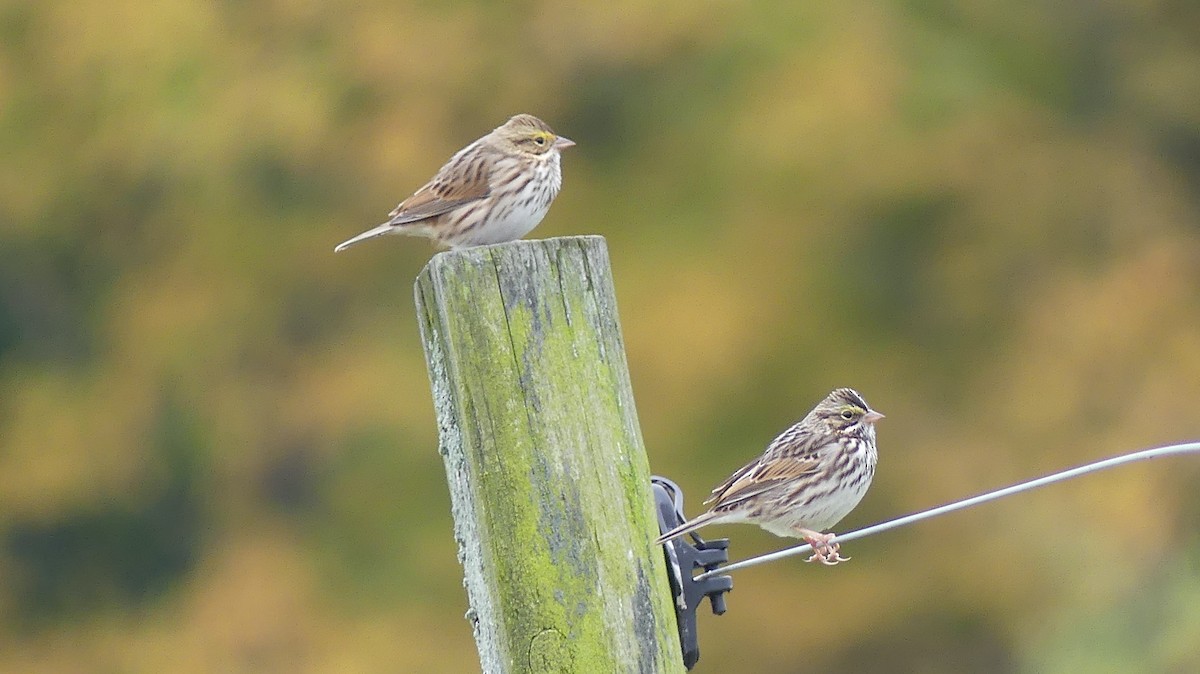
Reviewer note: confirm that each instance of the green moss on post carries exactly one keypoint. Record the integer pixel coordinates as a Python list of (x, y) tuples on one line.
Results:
[(548, 476)]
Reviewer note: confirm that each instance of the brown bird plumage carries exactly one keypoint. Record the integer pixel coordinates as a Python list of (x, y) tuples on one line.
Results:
[(496, 189), (806, 481)]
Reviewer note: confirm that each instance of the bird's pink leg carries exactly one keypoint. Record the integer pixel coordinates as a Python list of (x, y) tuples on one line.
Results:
[(825, 549)]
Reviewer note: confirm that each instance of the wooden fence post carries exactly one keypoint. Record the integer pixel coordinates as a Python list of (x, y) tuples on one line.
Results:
[(548, 477)]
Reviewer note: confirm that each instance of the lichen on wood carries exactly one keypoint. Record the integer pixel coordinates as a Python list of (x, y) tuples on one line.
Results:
[(548, 476)]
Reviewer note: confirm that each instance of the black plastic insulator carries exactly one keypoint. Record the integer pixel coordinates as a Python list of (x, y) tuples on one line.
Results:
[(684, 558)]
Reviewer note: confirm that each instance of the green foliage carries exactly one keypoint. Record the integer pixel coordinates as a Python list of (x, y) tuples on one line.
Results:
[(217, 450)]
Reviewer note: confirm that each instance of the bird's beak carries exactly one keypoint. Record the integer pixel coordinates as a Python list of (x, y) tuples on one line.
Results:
[(563, 143), (872, 416)]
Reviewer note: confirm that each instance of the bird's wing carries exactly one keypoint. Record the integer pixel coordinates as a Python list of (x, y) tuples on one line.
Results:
[(799, 440), (758, 476), (465, 178)]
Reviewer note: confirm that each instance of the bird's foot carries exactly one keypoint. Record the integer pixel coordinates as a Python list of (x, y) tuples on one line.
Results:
[(825, 549)]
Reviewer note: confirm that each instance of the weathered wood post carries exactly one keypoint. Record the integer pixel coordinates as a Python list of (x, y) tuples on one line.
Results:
[(548, 477)]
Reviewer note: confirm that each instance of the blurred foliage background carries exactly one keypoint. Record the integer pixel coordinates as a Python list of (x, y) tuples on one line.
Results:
[(217, 447)]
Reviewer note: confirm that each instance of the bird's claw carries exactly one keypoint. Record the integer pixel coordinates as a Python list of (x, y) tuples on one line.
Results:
[(827, 558), (825, 550)]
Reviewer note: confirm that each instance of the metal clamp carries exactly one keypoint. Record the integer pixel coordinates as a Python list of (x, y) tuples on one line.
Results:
[(682, 555)]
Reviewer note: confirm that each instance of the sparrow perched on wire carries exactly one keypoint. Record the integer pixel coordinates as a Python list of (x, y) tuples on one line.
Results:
[(806, 481), (494, 190)]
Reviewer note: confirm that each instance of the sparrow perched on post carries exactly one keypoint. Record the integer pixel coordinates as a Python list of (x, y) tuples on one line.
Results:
[(494, 190)]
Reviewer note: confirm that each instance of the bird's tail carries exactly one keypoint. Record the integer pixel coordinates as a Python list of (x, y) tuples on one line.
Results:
[(689, 526), (369, 234)]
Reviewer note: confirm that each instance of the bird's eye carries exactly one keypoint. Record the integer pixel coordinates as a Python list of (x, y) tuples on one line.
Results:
[(540, 140), (847, 415)]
